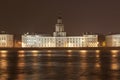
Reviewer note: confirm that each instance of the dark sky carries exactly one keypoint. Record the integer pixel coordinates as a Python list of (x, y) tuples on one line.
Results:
[(18, 16)]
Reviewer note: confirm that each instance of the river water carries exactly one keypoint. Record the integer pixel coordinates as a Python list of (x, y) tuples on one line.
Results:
[(60, 65)]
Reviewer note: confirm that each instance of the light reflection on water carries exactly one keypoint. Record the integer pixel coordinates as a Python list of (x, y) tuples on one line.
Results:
[(62, 65)]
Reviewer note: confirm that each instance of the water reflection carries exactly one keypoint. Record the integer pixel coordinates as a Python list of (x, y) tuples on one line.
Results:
[(21, 54), (114, 53), (115, 60), (69, 53), (114, 66), (83, 53), (49, 54), (3, 54), (3, 65), (3, 69), (21, 77), (35, 54), (67, 65), (97, 51), (21, 67), (21, 51), (3, 51)]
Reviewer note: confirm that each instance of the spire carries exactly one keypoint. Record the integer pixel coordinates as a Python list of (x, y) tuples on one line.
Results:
[(59, 17), (59, 20)]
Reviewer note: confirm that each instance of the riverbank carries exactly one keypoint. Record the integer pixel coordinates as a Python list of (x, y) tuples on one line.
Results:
[(63, 48)]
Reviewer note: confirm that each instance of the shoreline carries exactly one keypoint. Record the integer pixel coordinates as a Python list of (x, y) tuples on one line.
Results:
[(63, 48)]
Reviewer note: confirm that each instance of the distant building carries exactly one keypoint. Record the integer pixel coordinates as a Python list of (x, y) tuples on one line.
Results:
[(113, 40), (6, 40), (59, 39), (91, 40), (37, 41), (48, 41)]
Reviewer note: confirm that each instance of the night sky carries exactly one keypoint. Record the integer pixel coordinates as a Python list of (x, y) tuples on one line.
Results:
[(98, 16)]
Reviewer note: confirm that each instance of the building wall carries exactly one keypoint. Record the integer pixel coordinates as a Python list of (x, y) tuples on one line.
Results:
[(113, 40), (60, 41), (37, 41), (30, 40), (75, 41), (6, 40), (48, 41), (91, 40)]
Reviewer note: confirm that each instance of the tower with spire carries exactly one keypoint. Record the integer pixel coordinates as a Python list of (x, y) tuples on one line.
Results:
[(59, 28)]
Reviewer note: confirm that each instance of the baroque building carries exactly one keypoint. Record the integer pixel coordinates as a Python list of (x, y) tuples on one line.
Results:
[(59, 39), (6, 40), (113, 40)]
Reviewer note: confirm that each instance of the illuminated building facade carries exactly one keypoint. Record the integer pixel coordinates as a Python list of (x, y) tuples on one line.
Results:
[(91, 40), (59, 39), (113, 40), (30, 40), (75, 41), (6, 40), (48, 41)]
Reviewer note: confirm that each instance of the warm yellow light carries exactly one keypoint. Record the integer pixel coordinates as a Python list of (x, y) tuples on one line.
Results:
[(69, 51), (114, 66), (114, 55), (97, 55), (69, 55), (49, 51), (114, 51), (49, 55), (3, 51), (35, 54), (3, 64), (83, 51), (70, 44), (104, 44), (3, 55), (21, 51), (97, 51), (21, 55), (35, 51), (97, 65)]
